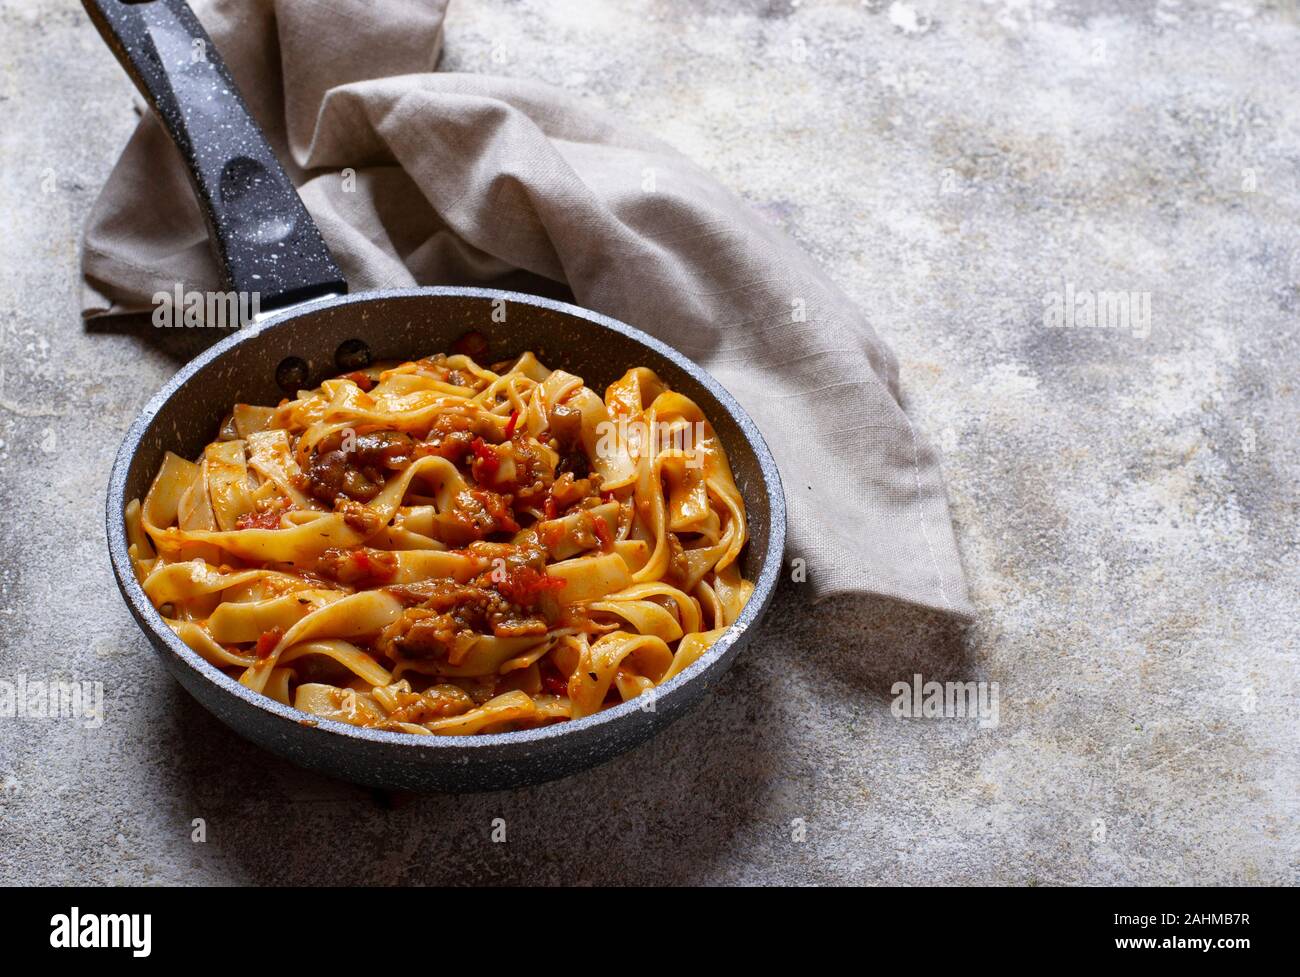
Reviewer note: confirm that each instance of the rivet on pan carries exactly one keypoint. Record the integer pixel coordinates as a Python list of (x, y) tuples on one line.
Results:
[(352, 354), (291, 374)]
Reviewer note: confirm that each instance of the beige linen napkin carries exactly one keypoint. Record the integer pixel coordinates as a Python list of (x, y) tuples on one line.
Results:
[(417, 177)]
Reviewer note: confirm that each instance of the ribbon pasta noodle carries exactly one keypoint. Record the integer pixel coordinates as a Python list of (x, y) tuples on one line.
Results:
[(438, 547)]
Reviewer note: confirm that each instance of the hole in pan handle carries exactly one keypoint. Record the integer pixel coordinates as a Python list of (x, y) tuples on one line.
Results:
[(264, 239)]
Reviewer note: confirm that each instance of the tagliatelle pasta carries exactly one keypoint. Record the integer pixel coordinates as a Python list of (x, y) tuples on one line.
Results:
[(437, 547)]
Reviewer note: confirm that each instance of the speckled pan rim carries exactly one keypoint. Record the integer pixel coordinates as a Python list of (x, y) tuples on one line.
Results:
[(152, 622)]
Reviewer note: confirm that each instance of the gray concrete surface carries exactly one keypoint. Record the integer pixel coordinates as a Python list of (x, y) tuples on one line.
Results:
[(1125, 497)]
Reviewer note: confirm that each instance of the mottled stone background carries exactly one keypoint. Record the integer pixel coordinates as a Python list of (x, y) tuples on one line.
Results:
[(1125, 497)]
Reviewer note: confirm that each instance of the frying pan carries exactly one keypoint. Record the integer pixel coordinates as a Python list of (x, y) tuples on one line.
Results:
[(311, 329)]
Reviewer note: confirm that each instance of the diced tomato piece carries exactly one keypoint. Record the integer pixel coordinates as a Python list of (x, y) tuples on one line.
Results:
[(486, 463), (267, 642), (259, 519), (602, 532), (360, 379), (374, 569), (553, 681)]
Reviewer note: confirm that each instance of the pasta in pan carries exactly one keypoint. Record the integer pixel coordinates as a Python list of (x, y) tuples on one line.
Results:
[(437, 547)]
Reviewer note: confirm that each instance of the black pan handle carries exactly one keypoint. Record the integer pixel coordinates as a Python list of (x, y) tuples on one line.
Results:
[(265, 241)]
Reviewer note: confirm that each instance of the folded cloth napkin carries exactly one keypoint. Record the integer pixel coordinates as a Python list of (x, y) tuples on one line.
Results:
[(417, 177)]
